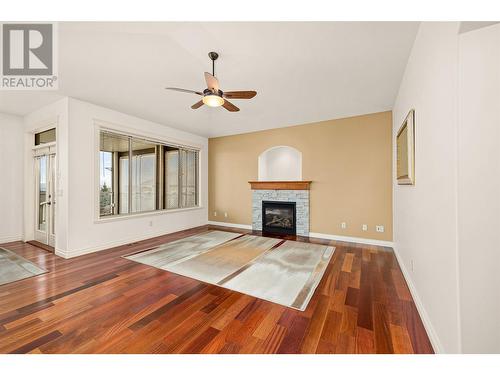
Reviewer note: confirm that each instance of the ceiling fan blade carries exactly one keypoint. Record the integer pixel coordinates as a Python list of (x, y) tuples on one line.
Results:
[(197, 104), (230, 106), (184, 90), (212, 82), (240, 94)]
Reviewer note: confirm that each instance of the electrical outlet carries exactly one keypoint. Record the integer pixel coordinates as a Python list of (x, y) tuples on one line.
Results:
[(364, 227), (343, 225), (215, 213), (380, 228), (225, 214)]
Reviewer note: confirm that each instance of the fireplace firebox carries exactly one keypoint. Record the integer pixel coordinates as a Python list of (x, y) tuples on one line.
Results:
[(278, 217)]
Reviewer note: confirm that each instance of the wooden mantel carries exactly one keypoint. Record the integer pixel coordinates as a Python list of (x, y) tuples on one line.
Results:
[(280, 185)]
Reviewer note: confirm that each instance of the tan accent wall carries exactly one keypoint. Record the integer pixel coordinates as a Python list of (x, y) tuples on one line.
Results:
[(348, 160)]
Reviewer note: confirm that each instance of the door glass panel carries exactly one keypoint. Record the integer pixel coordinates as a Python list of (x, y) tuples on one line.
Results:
[(52, 192), (42, 193), (172, 179)]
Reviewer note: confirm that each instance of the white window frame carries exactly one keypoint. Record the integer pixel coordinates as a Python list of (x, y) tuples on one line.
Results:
[(121, 130)]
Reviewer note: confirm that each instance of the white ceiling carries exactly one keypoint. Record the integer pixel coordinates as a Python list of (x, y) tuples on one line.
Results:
[(303, 72)]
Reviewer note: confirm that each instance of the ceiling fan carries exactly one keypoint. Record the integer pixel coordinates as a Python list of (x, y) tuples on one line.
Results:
[(213, 96)]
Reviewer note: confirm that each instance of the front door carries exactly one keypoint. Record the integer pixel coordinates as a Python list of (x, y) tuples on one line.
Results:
[(45, 167)]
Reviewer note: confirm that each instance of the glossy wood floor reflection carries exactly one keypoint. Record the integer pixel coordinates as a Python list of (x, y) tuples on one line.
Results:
[(103, 303)]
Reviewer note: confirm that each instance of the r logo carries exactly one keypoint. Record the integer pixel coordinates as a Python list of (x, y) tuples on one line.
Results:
[(27, 49)]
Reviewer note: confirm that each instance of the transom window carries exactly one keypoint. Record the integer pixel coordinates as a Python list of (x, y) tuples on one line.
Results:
[(138, 175), (46, 136)]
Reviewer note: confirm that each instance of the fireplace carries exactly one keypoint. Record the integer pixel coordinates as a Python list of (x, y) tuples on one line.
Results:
[(278, 217), (281, 192)]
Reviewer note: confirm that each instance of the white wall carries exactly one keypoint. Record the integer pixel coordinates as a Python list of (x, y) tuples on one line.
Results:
[(11, 178), (280, 163), (77, 229), (479, 189), (448, 225), (85, 233), (425, 215)]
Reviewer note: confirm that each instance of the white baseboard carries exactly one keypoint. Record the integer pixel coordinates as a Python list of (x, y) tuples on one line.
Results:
[(433, 337), (231, 225), (61, 253), (111, 244), (11, 238), (366, 241)]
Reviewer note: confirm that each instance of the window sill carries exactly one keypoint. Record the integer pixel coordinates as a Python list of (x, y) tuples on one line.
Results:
[(144, 214)]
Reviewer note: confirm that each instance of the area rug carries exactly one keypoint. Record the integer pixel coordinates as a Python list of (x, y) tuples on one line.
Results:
[(177, 251), (14, 267), (287, 275), (283, 272)]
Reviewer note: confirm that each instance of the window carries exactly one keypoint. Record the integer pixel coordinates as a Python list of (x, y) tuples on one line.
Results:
[(143, 176), (113, 174), (189, 174), (159, 176), (172, 178), (47, 136)]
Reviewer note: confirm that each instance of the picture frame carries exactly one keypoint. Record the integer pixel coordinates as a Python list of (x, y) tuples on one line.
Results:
[(405, 151)]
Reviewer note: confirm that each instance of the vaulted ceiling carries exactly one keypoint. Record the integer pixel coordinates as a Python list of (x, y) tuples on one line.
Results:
[(303, 72)]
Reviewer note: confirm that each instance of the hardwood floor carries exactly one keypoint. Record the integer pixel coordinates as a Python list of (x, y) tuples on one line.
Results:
[(103, 303), (42, 246)]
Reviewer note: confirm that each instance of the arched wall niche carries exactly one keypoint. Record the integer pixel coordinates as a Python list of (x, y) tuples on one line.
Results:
[(280, 163)]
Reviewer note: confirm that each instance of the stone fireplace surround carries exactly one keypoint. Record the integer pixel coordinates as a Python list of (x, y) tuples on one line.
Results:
[(283, 191)]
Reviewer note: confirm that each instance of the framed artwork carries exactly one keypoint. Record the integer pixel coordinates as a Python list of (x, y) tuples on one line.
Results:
[(405, 148)]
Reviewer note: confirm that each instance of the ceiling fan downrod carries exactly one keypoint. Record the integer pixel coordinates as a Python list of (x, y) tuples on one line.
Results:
[(213, 56)]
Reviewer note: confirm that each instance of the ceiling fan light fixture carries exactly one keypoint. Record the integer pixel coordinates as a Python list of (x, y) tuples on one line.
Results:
[(213, 100), (213, 96)]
